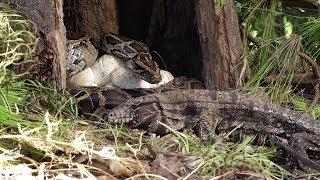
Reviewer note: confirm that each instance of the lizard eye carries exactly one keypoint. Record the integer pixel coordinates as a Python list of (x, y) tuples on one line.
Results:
[(134, 115)]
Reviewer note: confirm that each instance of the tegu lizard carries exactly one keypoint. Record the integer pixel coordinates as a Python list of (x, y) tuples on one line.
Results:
[(135, 53), (95, 102), (201, 110)]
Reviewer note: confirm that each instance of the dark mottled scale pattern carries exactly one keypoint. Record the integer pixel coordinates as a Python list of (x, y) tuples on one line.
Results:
[(140, 47), (113, 98), (202, 109), (214, 95), (112, 40), (254, 112), (89, 105), (191, 110), (104, 117), (128, 50), (266, 106), (234, 97), (145, 57), (138, 93), (134, 51)]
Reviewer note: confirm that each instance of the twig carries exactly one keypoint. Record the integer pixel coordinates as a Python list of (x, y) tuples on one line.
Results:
[(175, 174), (149, 175), (223, 175), (251, 175), (301, 79), (252, 39), (194, 171), (316, 71), (315, 99), (312, 63)]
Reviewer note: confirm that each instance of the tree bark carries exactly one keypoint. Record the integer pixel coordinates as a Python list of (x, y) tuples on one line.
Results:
[(90, 18), (48, 18), (134, 18), (198, 40), (220, 42), (173, 34)]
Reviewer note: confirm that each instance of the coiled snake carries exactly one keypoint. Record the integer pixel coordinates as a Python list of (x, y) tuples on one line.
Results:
[(134, 59), (122, 57)]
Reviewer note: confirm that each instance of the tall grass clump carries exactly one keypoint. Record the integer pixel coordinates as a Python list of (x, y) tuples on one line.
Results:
[(283, 65), (17, 44), (275, 55), (259, 22), (311, 37)]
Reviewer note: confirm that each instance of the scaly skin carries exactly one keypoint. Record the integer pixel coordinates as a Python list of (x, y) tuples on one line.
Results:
[(200, 110), (136, 53), (96, 102)]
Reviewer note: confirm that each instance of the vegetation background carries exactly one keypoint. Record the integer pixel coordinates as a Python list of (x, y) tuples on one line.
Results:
[(40, 128)]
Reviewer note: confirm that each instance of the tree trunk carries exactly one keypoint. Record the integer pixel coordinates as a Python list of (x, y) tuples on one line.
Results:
[(90, 18), (48, 17), (198, 40), (195, 38), (220, 42), (311, 4), (173, 34), (134, 18), (82, 18)]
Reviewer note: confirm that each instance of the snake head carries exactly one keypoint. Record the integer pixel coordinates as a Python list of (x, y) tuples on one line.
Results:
[(148, 69), (137, 53)]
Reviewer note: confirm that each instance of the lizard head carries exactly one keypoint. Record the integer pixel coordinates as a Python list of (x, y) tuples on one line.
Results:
[(121, 114), (134, 110)]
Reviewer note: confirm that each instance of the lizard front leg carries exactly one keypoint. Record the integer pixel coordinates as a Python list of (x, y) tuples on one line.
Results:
[(309, 146)]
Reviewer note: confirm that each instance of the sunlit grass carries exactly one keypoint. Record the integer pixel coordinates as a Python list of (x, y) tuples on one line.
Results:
[(17, 43), (276, 54), (17, 39), (259, 24), (284, 64), (223, 156), (311, 37), (301, 104)]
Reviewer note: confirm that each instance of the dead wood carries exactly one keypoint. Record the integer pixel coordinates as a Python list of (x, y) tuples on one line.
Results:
[(48, 18), (90, 18)]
